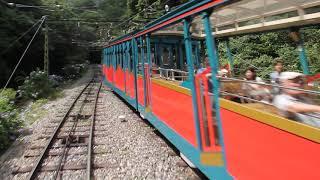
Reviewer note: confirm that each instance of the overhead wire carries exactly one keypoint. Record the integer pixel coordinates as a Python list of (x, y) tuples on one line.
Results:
[(25, 51), (20, 37), (135, 15), (130, 18)]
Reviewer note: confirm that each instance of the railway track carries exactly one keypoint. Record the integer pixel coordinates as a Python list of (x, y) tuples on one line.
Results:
[(75, 130), (93, 142)]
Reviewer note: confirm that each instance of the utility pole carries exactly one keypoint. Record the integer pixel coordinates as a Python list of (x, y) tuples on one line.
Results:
[(46, 50)]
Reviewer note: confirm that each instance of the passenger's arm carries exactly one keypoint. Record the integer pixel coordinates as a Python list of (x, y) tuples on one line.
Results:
[(303, 108)]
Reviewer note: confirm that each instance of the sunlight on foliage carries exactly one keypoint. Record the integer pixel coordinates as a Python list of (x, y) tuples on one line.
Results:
[(9, 122)]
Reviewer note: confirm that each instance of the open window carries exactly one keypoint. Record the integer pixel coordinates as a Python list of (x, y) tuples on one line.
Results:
[(168, 54)]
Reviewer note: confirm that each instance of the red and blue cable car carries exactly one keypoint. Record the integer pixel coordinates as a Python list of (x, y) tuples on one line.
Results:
[(154, 71)]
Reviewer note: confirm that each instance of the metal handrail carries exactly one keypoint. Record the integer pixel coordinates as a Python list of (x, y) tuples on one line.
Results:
[(170, 73), (173, 70), (257, 101), (272, 85), (243, 97)]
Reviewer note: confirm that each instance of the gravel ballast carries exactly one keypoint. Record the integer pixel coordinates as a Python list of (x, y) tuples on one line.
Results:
[(133, 149), (126, 146)]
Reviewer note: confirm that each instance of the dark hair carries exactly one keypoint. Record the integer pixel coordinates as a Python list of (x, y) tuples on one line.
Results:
[(254, 74), (277, 60)]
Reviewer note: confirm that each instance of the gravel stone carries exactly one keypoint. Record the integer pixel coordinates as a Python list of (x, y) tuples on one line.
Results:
[(125, 146)]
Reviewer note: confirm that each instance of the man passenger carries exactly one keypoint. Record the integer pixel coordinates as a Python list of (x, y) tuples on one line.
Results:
[(274, 76), (294, 104), (278, 66)]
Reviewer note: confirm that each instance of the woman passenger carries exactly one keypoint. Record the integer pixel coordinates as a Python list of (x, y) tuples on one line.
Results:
[(251, 75), (254, 91)]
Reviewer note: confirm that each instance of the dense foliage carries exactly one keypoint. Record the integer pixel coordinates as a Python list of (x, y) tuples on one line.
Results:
[(36, 86), (8, 117), (260, 50), (75, 25), (68, 42), (77, 28)]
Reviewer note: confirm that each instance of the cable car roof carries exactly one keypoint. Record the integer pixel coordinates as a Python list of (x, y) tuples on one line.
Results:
[(232, 17), (249, 16)]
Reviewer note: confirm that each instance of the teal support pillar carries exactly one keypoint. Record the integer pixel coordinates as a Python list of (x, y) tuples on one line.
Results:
[(230, 57), (303, 58), (128, 56), (114, 59), (143, 69), (116, 56), (297, 38), (122, 55), (119, 56), (135, 72), (124, 48), (214, 63), (149, 53), (108, 56), (188, 47), (148, 78), (112, 55)]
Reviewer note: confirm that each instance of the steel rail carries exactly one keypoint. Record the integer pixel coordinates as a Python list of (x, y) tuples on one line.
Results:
[(35, 169), (70, 133), (89, 157)]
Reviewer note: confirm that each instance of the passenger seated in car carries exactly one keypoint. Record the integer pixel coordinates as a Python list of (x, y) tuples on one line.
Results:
[(278, 66), (255, 91), (293, 104), (274, 76), (206, 66)]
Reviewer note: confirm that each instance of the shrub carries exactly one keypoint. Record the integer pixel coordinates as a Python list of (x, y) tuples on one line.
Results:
[(37, 85), (56, 80), (9, 122), (74, 71)]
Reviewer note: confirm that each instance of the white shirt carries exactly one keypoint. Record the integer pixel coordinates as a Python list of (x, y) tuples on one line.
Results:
[(283, 101), (274, 76)]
